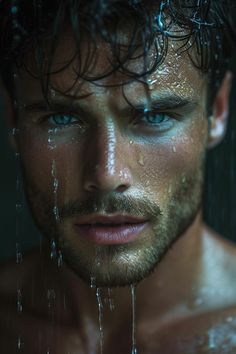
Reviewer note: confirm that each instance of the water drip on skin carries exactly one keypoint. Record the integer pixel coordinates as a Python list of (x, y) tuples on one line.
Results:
[(141, 160), (211, 339), (51, 296), (92, 282), (133, 301), (100, 317), (110, 300), (19, 301), (52, 138), (55, 191), (53, 252), (59, 259), (20, 343)]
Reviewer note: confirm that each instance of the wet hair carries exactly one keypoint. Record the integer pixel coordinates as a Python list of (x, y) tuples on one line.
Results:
[(202, 27)]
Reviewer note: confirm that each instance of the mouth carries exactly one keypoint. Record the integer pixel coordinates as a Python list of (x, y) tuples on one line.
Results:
[(110, 230)]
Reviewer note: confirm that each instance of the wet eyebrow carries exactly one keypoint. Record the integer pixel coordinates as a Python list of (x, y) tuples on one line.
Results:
[(169, 102), (39, 106)]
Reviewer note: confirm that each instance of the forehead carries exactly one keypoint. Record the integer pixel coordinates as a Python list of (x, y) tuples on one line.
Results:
[(176, 73)]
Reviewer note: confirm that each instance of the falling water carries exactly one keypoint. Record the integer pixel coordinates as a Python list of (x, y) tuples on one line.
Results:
[(133, 299), (92, 282), (19, 300), (19, 257), (53, 252), (55, 191), (100, 317), (110, 300), (59, 259)]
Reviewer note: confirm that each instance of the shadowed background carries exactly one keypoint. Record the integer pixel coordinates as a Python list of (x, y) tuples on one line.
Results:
[(219, 198)]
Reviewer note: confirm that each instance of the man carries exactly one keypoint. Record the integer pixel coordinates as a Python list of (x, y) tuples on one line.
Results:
[(116, 104)]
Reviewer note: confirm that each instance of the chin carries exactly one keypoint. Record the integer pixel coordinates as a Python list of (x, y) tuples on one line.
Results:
[(113, 266)]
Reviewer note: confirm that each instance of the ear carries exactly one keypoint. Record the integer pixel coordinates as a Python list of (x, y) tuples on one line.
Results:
[(10, 115), (218, 120)]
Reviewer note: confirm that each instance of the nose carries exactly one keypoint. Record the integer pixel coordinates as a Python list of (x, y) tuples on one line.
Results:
[(106, 165)]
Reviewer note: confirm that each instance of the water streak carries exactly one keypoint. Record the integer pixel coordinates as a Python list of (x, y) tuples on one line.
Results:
[(55, 191), (100, 317), (59, 259), (133, 300), (19, 301), (20, 343), (111, 300), (19, 207), (53, 253)]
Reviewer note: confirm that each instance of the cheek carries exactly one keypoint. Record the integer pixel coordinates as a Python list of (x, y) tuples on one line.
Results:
[(169, 163), (43, 164)]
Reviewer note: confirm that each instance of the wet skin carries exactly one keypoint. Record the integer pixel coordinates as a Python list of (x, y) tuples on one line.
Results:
[(112, 159)]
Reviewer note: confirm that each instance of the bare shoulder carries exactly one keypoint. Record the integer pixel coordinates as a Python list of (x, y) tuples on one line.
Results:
[(219, 255), (217, 277)]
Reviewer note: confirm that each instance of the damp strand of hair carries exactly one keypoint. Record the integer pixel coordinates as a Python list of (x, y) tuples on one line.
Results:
[(100, 318), (133, 302)]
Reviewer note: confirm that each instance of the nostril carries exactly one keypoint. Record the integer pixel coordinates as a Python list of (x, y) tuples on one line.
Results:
[(90, 187), (122, 188)]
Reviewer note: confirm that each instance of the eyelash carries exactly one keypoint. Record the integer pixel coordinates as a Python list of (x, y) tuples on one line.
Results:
[(155, 115), (69, 116), (139, 119)]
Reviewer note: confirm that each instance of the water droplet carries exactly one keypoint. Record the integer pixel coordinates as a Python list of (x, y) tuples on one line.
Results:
[(110, 300), (51, 296), (14, 10), (92, 282), (229, 319), (131, 142), (141, 160), (53, 246), (19, 256), (55, 192), (53, 93), (211, 339), (59, 259), (20, 343), (19, 301), (174, 149)]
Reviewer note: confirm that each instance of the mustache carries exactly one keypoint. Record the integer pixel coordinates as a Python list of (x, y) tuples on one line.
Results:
[(110, 204)]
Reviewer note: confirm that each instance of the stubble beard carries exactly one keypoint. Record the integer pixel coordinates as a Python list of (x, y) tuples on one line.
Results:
[(122, 265)]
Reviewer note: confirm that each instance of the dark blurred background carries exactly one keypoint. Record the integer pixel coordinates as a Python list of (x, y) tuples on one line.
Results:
[(219, 203)]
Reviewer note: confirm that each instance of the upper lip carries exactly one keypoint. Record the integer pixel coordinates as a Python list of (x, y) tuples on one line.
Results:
[(109, 219)]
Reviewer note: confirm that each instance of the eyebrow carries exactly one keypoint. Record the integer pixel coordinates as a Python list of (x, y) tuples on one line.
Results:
[(167, 101), (162, 101), (54, 105)]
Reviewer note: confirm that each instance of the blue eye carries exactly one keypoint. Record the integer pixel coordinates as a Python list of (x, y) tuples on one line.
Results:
[(154, 118), (62, 119)]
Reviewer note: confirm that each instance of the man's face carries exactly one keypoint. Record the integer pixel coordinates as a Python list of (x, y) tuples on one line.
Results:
[(113, 173)]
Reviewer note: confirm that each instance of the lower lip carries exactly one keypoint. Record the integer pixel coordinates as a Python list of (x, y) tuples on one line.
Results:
[(111, 235)]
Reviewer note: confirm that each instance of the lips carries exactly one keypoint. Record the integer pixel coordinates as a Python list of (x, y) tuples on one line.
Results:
[(114, 229)]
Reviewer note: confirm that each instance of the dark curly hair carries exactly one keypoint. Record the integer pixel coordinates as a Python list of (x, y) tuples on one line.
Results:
[(204, 25)]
